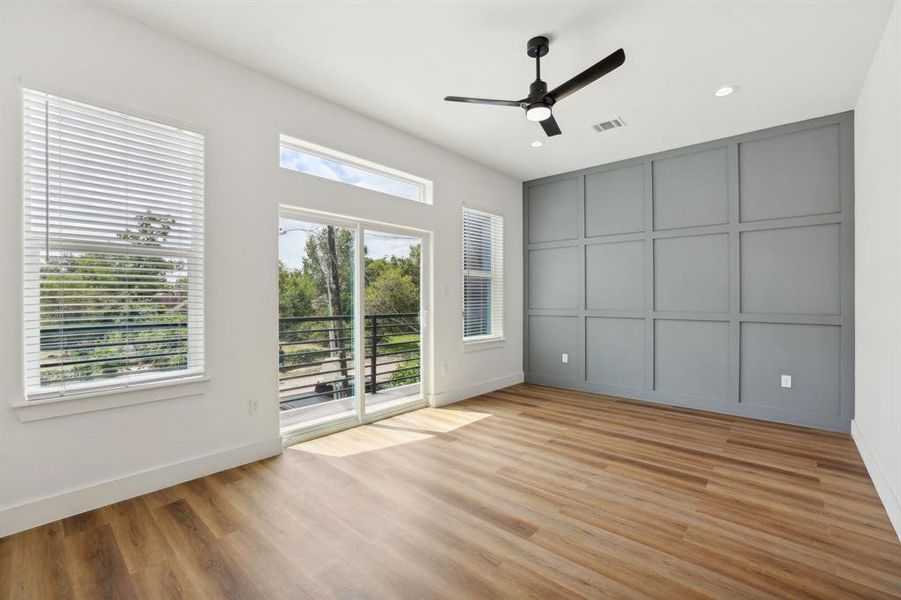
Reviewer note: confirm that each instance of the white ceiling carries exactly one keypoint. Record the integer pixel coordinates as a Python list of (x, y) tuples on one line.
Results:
[(395, 61)]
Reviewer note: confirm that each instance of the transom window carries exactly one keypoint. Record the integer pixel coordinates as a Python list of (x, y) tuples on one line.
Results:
[(483, 275), (319, 161), (113, 247)]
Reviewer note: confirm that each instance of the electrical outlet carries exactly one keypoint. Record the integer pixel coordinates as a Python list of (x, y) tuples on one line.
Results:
[(786, 381), (253, 406), (565, 358), (444, 368)]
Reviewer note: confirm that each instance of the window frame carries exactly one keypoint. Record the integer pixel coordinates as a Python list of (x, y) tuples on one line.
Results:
[(425, 186), (121, 390), (493, 339)]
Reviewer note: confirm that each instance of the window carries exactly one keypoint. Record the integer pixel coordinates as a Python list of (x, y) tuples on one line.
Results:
[(113, 250), (329, 164), (483, 275)]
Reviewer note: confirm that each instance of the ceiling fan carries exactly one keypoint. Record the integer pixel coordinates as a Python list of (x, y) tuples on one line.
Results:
[(539, 101)]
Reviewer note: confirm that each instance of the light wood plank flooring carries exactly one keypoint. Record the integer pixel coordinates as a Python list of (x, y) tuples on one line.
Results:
[(529, 492)]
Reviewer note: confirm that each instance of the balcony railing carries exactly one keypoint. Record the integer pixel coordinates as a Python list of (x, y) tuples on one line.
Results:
[(75, 353), (316, 356)]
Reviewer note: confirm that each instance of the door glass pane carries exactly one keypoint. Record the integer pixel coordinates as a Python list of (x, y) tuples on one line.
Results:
[(316, 324), (392, 334)]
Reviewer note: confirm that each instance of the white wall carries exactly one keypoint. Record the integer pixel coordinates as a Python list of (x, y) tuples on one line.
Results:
[(53, 467), (877, 173)]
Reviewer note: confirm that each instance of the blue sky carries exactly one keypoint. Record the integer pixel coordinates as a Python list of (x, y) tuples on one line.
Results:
[(330, 169)]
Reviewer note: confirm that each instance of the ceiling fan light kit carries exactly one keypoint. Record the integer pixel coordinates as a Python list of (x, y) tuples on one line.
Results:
[(538, 104), (538, 112)]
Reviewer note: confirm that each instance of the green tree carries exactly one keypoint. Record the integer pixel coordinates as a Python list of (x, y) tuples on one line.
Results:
[(406, 265), (329, 261), (392, 292), (406, 372), (392, 284), (152, 230), (411, 266), (296, 292), (87, 298), (326, 265)]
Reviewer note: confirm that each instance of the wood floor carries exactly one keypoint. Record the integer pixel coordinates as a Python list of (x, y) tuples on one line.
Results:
[(529, 492)]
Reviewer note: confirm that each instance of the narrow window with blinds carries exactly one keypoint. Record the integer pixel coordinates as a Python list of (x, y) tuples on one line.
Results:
[(483, 275), (113, 249)]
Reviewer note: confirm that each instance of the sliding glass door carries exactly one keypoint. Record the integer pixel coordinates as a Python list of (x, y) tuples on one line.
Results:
[(392, 323), (316, 278), (351, 335)]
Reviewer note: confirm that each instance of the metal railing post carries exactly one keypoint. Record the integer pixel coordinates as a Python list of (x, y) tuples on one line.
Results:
[(372, 359)]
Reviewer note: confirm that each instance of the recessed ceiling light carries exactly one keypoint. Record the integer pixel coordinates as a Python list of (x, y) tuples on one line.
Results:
[(537, 144), (726, 90)]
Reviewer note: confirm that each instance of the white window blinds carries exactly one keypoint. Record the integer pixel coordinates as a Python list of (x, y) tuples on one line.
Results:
[(483, 275), (113, 238)]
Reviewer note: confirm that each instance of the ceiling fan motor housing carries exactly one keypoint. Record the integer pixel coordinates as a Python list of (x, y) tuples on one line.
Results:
[(538, 46), (538, 93)]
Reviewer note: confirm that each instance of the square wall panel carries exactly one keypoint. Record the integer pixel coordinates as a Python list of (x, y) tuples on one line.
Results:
[(554, 210), (615, 351), (614, 276), (692, 273), (554, 278), (790, 175), (691, 190), (809, 354), (692, 358), (614, 201), (549, 339), (795, 270)]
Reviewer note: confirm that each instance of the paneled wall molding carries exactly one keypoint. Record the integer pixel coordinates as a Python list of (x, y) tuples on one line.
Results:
[(699, 276)]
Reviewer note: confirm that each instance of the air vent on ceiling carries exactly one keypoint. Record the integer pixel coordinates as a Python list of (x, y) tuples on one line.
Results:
[(608, 125)]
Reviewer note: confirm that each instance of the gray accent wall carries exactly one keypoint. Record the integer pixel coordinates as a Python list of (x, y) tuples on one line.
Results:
[(699, 276)]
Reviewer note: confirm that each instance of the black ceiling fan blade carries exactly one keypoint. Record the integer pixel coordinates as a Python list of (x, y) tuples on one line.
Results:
[(589, 75), (550, 126), (483, 101)]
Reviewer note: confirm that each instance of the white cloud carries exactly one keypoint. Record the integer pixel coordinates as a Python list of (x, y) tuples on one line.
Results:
[(329, 169)]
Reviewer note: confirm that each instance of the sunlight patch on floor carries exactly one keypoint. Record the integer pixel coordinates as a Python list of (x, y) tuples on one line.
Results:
[(410, 427), (435, 420), (358, 440)]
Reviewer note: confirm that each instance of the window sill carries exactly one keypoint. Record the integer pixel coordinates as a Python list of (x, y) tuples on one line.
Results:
[(486, 344), (34, 410)]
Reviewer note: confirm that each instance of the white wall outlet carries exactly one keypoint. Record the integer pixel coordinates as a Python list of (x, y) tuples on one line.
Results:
[(253, 406), (786, 381), (444, 368), (565, 358)]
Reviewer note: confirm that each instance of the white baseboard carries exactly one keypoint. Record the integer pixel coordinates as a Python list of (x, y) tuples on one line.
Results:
[(445, 398), (888, 496), (45, 510)]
